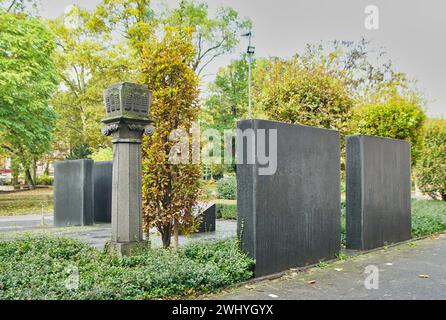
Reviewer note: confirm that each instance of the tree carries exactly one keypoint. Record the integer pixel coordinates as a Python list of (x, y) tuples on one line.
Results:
[(164, 55), (27, 80), (132, 19), (212, 36), (431, 168), (170, 190), (366, 71), (86, 64), (227, 98), (392, 115)]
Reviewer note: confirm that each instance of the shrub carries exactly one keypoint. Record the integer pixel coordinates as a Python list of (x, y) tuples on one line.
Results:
[(44, 180), (102, 154), (397, 117), (36, 268), (227, 188), (431, 169), (298, 91), (226, 211)]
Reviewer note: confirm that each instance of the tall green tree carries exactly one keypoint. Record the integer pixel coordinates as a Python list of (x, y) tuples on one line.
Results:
[(227, 98), (87, 64), (213, 36), (27, 81)]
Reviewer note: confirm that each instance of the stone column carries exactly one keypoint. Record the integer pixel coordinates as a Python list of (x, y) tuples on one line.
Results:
[(127, 107)]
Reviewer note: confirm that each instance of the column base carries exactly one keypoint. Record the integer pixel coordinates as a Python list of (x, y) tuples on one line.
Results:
[(128, 248)]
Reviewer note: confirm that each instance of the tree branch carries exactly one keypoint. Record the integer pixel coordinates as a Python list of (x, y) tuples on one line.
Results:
[(11, 5), (209, 61)]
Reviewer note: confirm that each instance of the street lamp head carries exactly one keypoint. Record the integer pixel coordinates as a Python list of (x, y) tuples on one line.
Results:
[(248, 34)]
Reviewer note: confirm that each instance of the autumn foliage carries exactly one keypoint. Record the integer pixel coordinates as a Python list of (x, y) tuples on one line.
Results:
[(170, 191)]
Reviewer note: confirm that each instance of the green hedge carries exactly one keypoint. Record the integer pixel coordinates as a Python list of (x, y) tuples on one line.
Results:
[(227, 188), (37, 268), (431, 168), (226, 211)]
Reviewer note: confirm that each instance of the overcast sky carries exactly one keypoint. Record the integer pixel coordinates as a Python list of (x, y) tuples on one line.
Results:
[(413, 32)]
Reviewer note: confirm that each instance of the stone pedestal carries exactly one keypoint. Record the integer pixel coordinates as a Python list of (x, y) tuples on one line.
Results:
[(127, 107)]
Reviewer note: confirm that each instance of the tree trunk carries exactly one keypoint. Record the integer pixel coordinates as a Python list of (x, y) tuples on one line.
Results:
[(34, 169), (166, 233), (29, 179), (175, 233), (47, 167)]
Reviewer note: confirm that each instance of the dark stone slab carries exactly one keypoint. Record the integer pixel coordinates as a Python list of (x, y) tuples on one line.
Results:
[(208, 219), (378, 191), (73, 193), (102, 184), (291, 218)]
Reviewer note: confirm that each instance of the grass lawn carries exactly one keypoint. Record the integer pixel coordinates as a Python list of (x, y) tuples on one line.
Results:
[(26, 202)]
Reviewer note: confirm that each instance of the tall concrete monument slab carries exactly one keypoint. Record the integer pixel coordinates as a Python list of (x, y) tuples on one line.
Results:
[(378, 191), (127, 106), (73, 193), (289, 212)]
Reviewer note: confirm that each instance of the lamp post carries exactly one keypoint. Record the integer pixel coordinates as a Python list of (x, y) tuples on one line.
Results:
[(250, 51)]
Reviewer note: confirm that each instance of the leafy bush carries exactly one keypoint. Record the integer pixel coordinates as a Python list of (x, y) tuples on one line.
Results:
[(304, 92), (103, 154), (431, 169), (226, 211), (397, 117), (227, 188), (44, 180), (36, 268)]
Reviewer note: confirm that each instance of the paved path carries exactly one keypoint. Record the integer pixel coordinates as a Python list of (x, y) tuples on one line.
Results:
[(414, 270), (25, 222), (98, 234)]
